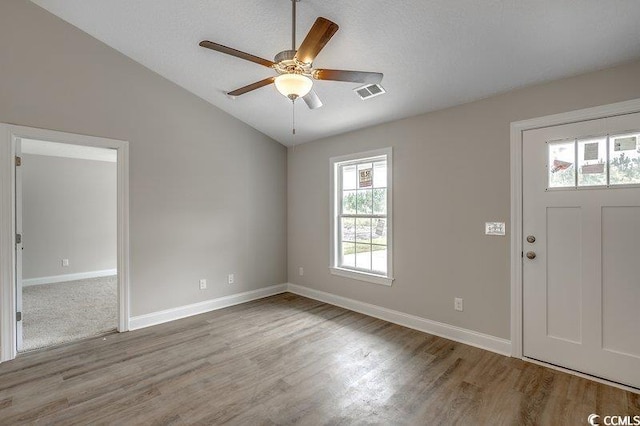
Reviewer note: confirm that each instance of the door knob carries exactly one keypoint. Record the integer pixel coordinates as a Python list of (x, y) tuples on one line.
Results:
[(531, 239), (531, 255)]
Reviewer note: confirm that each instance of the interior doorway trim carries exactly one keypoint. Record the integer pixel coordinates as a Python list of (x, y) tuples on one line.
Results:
[(8, 136), (517, 129)]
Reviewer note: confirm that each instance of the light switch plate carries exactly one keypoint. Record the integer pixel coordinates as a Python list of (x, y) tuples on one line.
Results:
[(494, 228)]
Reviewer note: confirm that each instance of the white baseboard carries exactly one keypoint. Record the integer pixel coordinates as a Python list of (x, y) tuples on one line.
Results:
[(172, 314), (458, 334), (68, 277)]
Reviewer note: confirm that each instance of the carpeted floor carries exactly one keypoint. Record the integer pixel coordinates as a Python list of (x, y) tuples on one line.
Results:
[(63, 312)]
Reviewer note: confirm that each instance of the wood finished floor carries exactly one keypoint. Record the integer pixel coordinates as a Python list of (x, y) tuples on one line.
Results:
[(287, 359)]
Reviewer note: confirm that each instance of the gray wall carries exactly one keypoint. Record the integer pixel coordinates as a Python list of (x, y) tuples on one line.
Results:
[(68, 212), (207, 192), (451, 174)]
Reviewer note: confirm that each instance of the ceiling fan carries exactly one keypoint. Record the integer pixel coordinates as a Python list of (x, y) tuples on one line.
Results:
[(295, 67)]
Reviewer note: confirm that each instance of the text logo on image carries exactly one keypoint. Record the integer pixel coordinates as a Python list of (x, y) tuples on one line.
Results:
[(594, 420)]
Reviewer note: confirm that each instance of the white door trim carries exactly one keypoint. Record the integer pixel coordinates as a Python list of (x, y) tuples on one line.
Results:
[(517, 128), (8, 135)]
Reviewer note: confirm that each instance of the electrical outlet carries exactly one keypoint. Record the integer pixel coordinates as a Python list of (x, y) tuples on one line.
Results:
[(301, 271), (230, 279), (457, 304), (65, 262), (203, 284)]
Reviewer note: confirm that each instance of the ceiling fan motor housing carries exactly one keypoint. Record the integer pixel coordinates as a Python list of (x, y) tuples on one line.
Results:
[(285, 55), (286, 63)]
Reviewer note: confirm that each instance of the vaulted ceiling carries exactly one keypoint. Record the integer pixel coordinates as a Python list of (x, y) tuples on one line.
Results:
[(433, 53)]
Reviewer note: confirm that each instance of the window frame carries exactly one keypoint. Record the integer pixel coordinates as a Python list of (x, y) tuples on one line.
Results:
[(335, 194)]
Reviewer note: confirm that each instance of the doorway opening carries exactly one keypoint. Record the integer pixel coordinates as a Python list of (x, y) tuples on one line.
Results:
[(63, 238), (66, 197)]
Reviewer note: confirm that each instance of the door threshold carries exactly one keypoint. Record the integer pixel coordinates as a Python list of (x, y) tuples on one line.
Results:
[(73, 342), (582, 375)]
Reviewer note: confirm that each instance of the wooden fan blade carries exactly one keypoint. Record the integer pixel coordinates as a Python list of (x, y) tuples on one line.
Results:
[(321, 32), (312, 100), (253, 86), (350, 76), (237, 53)]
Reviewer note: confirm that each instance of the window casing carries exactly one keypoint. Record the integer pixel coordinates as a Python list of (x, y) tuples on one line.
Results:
[(361, 224)]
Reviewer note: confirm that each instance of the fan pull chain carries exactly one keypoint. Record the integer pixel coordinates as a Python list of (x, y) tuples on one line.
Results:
[(293, 122)]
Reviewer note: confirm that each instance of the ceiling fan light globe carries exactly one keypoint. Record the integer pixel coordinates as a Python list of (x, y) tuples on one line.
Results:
[(293, 86)]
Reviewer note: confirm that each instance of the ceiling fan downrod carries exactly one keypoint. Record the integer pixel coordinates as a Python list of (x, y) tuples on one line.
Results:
[(293, 24)]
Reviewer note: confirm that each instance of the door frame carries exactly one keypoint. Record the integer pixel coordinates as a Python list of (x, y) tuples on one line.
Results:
[(8, 135), (517, 129)]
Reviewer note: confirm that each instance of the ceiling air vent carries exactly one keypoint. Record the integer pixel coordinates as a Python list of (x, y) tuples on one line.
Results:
[(369, 91)]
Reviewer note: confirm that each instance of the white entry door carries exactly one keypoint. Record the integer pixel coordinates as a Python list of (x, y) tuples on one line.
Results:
[(581, 263)]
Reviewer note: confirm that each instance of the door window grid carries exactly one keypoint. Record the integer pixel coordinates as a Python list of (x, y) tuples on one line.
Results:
[(607, 161)]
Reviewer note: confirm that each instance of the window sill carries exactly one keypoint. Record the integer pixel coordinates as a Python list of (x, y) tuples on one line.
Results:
[(362, 276)]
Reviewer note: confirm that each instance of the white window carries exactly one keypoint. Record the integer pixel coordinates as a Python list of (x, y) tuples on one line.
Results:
[(361, 223)]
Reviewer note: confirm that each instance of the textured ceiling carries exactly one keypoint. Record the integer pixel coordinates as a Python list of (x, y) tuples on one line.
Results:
[(433, 53)]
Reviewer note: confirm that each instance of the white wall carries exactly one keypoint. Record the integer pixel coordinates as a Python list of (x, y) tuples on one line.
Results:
[(207, 192), (451, 175), (68, 212)]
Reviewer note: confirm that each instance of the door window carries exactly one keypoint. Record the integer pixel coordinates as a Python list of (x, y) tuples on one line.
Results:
[(596, 162)]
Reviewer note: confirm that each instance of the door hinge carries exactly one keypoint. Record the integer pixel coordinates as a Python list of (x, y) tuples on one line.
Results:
[(18, 238), (18, 316), (18, 161), (522, 254)]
